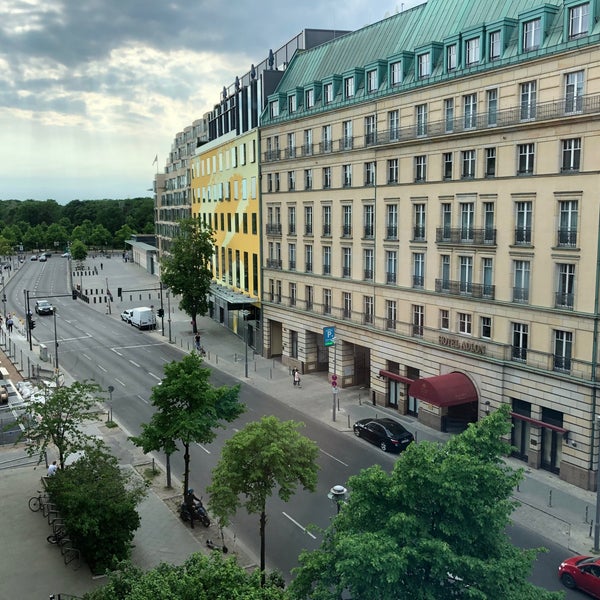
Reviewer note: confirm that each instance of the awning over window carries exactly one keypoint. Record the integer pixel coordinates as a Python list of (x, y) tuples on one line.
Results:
[(395, 376), (235, 300), (538, 423), (444, 390)]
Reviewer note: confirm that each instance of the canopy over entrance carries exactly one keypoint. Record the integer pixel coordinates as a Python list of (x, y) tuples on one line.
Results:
[(451, 389)]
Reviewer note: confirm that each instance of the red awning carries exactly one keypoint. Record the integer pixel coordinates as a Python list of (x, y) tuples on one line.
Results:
[(395, 376), (444, 390), (538, 423)]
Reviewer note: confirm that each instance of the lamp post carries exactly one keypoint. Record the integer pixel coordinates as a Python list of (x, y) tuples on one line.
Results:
[(111, 389), (169, 309), (338, 494), (55, 343), (245, 322), (597, 520)]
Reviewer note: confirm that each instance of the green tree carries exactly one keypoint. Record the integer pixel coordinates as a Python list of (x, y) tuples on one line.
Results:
[(200, 577), (443, 510), (266, 454), (57, 237), (124, 233), (100, 237), (56, 420), (97, 501), (79, 250), (187, 270), (188, 409)]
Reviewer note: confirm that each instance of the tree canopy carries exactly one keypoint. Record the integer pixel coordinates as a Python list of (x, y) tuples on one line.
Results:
[(187, 268), (265, 455), (434, 528), (188, 409)]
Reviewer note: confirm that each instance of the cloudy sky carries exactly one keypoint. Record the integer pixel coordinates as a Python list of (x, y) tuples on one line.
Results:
[(92, 90)]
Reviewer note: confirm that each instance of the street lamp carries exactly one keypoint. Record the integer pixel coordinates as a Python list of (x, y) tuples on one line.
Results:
[(338, 494), (55, 343), (111, 389)]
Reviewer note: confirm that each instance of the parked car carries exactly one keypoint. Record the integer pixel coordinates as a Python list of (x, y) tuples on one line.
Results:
[(43, 258), (386, 433), (34, 257), (143, 318), (43, 307), (581, 572), (126, 315), (66, 255)]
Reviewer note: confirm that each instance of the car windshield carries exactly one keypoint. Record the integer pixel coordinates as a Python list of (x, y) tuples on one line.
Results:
[(395, 428), (587, 560)]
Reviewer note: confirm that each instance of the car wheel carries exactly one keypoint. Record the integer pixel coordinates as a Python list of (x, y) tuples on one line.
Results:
[(357, 432), (383, 446), (568, 581)]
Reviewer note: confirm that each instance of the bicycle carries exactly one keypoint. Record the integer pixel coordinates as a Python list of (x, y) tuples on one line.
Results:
[(57, 537), (37, 502)]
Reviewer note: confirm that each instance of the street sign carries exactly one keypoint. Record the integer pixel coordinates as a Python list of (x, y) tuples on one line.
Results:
[(329, 336)]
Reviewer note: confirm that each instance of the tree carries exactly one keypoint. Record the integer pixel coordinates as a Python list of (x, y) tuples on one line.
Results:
[(187, 270), (188, 409), (200, 577), (79, 250), (266, 454), (97, 501), (443, 510), (57, 419)]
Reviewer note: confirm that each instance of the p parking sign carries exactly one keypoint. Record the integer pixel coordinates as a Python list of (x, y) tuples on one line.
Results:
[(329, 336)]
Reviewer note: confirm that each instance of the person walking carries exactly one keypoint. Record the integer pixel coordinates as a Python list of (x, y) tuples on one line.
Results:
[(190, 503), (297, 378), (52, 469), (9, 324), (197, 342)]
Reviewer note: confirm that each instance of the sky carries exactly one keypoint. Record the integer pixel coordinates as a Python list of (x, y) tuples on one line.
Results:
[(91, 91)]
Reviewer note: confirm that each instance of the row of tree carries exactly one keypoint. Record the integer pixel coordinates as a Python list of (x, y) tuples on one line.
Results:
[(33, 224)]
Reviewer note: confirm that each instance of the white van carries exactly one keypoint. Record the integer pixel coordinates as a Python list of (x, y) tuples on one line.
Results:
[(143, 318)]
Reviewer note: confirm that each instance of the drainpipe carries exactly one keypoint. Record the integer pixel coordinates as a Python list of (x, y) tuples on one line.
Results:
[(594, 397)]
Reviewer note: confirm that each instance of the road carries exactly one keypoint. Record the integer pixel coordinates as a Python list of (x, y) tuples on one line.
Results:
[(102, 348)]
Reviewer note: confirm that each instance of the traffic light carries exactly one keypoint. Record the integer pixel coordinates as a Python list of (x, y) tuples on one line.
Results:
[(119, 292), (161, 312), (30, 322), (334, 381), (74, 294)]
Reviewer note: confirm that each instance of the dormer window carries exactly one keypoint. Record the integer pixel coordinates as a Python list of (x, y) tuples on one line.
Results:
[(274, 108), (579, 20), (372, 81), (309, 98), (328, 93), (472, 51), (451, 58), (532, 35), (494, 45), (349, 87), (396, 73), (292, 104), (424, 65)]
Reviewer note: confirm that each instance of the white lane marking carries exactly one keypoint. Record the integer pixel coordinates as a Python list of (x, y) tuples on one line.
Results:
[(116, 352), (120, 382), (86, 356), (155, 376), (102, 368), (142, 399), (133, 363), (236, 429), (203, 448), (333, 457), (298, 525)]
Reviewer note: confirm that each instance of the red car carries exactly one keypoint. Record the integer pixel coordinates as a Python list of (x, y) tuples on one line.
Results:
[(582, 572)]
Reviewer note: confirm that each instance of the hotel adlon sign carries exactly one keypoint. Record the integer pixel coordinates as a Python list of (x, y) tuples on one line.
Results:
[(459, 344)]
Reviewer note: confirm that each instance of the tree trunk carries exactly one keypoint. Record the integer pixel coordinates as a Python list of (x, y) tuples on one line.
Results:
[(186, 468), (263, 522), (194, 325)]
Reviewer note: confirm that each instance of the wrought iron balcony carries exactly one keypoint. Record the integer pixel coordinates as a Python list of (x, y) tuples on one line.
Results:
[(521, 295), (563, 300), (523, 236), (273, 263), (465, 288), (273, 228), (465, 236), (567, 238)]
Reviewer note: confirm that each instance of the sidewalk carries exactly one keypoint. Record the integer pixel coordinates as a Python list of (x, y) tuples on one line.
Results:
[(557, 510)]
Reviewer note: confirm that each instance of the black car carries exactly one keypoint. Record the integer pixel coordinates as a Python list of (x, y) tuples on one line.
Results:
[(385, 433), (43, 307)]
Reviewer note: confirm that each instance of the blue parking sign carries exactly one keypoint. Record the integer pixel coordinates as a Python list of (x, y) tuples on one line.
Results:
[(329, 336)]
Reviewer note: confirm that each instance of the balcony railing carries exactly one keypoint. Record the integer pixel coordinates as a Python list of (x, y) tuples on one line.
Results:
[(391, 232), (346, 272), (465, 288), (523, 236), (346, 230), (390, 277), (273, 228), (308, 230), (368, 275), (326, 231), (291, 229), (465, 236), (567, 238), (368, 232), (308, 267), (418, 233), (292, 265), (418, 281), (563, 300), (521, 295), (273, 263), (519, 353), (326, 269)]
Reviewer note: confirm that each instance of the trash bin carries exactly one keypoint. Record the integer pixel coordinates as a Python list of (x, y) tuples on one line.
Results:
[(44, 352)]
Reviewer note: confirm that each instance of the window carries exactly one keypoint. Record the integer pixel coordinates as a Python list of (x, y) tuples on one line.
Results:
[(490, 162), (444, 319), (470, 111), (347, 175), (418, 319), (274, 108), (309, 98), (326, 260), (328, 93), (565, 286), (292, 104), (327, 220), (523, 223), (370, 173), (368, 309), (421, 119), (526, 158), (424, 65), (308, 258), (521, 281), (467, 212), (449, 115), (571, 154), (372, 81), (487, 277), (293, 294), (418, 280), (485, 328), (309, 296), (269, 182), (391, 220), (420, 168), (391, 266), (370, 130), (567, 228), (464, 323), (347, 139), (292, 257), (532, 34), (326, 143), (563, 346), (494, 45), (396, 73), (573, 92), (466, 275), (308, 220), (390, 314), (468, 164), (579, 18), (472, 51), (326, 177), (392, 165), (520, 341), (528, 100), (489, 232), (291, 145), (277, 182), (419, 222), (327, 301), (308, 142), (394, 125), (446, 220), (451, 58), (346, 262), (445, 272), (346, 220), (348, 87), (492, 107), (369, 220), (447, 165), (347, 301), (308, 179), (368, 264), (291, 181)]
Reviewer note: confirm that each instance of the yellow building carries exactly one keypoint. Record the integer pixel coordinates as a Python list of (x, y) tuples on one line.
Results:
[(430, 190)]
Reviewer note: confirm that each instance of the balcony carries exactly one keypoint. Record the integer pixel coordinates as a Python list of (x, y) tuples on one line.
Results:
[(346, 272), (273, 263), (307, 150), (523, 236), (273, 228), (308, 267), (326, 231), (562, 363), (462, 236), (326, 269), (417, 330), (346, 231), (418, 234), (567, 238), (368, 275), (346, 143), (418, 282), (390, 277), (390, 324), (465, 288), (326, 147), (290, 152), (308, 230), (292, 265), (521, 295), (563, 300), (367, 318), (518, 353), (291, 229), (272, 155), (391, 232), (368, 232)]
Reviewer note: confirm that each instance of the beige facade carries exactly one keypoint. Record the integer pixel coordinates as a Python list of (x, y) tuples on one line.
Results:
[(450, 228)]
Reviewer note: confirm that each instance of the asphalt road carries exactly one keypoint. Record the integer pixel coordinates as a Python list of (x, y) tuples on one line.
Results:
[(102, 348)]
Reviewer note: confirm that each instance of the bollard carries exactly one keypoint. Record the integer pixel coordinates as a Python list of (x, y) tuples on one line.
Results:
[(550, 498), (216, 359), (591, 527), (586, 513), (348, 421), (255, 366), (235, 357), (270, 373)]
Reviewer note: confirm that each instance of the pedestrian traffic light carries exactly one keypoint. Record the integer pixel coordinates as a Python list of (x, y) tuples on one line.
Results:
[(334, 381), (74, 294), (119, 292), (31, 323), (161, 312)]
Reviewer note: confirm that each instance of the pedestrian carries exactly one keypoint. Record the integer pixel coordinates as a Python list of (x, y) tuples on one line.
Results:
[(52, 469), (9, 324), (294, 376), (197, 342), (101, 266), (297, 378), (190, 503)]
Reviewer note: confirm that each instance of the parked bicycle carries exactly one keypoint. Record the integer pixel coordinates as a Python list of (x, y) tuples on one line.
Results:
[(37, 502)]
